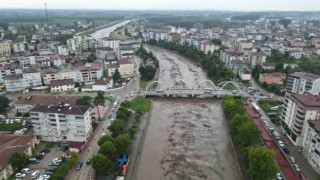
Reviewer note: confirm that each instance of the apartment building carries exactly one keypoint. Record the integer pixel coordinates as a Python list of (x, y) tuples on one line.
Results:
[(227, 57), (18, 47), (126, 67), (257, 58), (111, 43), (89, 72), (62, 85), (301, 82), (5, 46), (62, 122), (32, 77), (297, 110), (14, 83), (49, 75), (311, 144)]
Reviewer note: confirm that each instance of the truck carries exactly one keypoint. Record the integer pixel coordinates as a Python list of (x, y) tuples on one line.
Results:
[(255, 106)]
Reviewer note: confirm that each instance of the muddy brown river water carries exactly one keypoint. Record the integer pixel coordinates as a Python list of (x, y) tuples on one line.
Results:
[(186, 139)]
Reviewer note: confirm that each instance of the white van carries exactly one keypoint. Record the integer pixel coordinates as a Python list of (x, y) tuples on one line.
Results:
[(34, 174)]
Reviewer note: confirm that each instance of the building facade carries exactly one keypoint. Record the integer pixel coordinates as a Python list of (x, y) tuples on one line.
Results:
[(301, 82), (62, 123)]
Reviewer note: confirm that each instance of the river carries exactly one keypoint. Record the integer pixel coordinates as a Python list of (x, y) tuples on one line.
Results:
[(186, 138), (106, 31)]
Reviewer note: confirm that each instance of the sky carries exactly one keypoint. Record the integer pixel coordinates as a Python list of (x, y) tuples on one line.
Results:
[(233, 5)]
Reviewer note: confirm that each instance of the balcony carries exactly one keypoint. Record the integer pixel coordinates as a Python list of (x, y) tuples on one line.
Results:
[(296, 130)]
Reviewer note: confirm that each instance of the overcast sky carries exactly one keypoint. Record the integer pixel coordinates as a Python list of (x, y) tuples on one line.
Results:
[(238, 5)]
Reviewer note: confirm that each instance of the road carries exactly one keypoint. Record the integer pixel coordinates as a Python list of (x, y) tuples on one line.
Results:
[(86, 172), (298, 156)]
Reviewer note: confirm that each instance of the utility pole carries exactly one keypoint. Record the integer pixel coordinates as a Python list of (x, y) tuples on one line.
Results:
[(45, 5)]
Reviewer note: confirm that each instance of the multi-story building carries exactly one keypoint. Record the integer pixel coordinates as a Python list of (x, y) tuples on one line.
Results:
[(14, 83), (297, 110), (32, 77), (227, 57), (257, 58), (311, 143), (62, 85), (174, 37), (89, 72), (102, 52), (301, 82), (207, 46), (5, 46), (62, 122), (126, 67), (49, 75), (74, 44), (68, 74), (18, 47), (125, 51), (111, 43)]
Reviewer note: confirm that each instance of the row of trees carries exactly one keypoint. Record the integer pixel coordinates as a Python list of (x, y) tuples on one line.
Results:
[(151, 64), (209, 62), (259, 159)]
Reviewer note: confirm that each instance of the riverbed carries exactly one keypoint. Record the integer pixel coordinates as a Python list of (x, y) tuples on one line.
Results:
[(186, 138)]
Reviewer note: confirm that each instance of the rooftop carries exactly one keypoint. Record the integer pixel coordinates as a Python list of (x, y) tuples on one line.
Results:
[(103, 81), (307, 99), (73, 109), (61, 82), (315, 124), (47, 100), (305, 75), (125, 61)]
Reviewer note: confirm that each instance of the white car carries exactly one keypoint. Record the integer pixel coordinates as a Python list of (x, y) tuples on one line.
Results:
[(7, 121), (11, 121), (296, 167), (54, 163), (20, 175), (26, 170), (56, 160), (113, 109), (111, 119), (280, 143), (44, 177), (35, 174), (292, 160), (24, 122), (279, 176)]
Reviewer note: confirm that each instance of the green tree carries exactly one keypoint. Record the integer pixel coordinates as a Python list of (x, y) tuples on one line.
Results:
[(236, 123), (108, 149), (102, 164), (122, 143), (18, 160), (117, 127), (84, 101), (99, 99), (248, 134), (104, 139), (261, 163), (125, 104), (116, 77), (4, 103)]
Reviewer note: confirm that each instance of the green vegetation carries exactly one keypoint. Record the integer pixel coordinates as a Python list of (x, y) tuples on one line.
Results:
[(265, 105), (245, 18), (18, 160), (150, 62), (245, 133), (4, 103), (11, 127), (102, 164), (209, 62), (117, 34), (84, 101), (122, 143), (261, 163), (99, 99), (140, 103), (143, 84), (116, 77), (64, 167), (104, 139), (50, 145)]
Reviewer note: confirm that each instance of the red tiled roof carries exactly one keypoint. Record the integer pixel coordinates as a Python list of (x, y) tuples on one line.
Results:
[(47, 100), (76, 145), (305, 75), (306, 99)]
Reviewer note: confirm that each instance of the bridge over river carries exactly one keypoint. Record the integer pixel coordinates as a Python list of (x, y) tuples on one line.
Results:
[(205, 89)]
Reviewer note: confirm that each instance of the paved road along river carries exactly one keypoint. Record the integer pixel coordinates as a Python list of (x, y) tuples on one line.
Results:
[(186, 138)]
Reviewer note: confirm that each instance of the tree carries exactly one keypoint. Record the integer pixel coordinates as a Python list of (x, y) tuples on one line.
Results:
[(18, 160), (261, 163), (77, 84), (4, 103), (125, 104), (116, 77), (102, 164), (236, 123), (122, 143), (84, 101), (108, 149), (104, 139), (99, 99), (117, 127), (248, 134)]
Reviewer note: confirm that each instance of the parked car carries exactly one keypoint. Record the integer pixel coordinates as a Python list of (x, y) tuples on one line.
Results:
[(11, 121), (49, 171), (292, 160), (39, 156), (56, 160), (24, 122), (280, 143), (45, 150), (20, 175), (279, 176), (35, 174), (284, 132), (271, 130), (286, 150), (44, 177), (54, 163), (26, 170), (7, 121), (88, 162), (79, 165), (109, 116), (296, 167), (64, 148)]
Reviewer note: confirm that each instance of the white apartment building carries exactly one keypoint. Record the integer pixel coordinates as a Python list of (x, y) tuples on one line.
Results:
[(89, 72), (301, 82), (111, 43), (227, 57), (18, 47), (207, 46), (68, 74), (311, 144), (62, 122), (257, 58), (14, 83), (62, 85), (5, 46), (74, 44), (32, 77), (297, 110)]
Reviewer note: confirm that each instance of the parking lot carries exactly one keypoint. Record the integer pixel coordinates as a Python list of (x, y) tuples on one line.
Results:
[(44, 163)]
